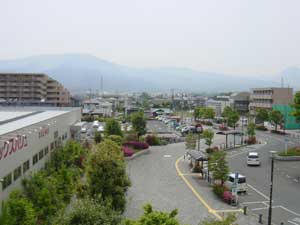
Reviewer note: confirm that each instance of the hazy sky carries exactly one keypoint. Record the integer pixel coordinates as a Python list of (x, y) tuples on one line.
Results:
[(230, 36)]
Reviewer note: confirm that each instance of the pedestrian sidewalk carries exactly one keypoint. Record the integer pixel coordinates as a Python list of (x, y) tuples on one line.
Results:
[(216, 207)]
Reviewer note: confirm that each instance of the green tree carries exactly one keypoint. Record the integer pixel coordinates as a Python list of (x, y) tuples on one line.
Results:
[(233, 118), (190, 141), (138, 121), (107, 177), (251, 129), (276, 117), (42, 192), (218, 165), (18, 210), (261, 115), (229, 220), (97, 137), (112, 127), (152, 217), (208, 136), (117, 139), (209, 113), (296, 107), (88, 212)]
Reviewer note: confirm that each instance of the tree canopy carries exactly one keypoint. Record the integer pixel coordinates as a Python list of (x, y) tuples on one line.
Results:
[(138, 121), (276, 117), (152, 217), (262, 115), (296, 107), (208, 136), (112, 127), (218, 165), (107, 177), (190, 141)]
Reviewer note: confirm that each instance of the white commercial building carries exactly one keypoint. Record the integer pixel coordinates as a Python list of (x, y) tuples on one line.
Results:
[(27, 137)]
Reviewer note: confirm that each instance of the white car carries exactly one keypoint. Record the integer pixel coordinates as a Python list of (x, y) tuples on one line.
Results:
[(253, 159), (100, 129), (96, 124), (83, 130)]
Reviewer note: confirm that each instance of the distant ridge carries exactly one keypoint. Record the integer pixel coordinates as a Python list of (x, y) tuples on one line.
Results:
[(79, 72)]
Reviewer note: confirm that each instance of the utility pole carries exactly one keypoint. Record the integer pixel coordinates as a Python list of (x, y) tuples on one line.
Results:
[(271, 188)]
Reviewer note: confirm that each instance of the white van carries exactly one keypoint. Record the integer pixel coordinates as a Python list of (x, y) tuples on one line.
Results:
[(241, 182), (253, 159)]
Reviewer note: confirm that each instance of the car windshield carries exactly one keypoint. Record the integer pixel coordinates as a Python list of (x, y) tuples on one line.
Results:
[(253, 156)]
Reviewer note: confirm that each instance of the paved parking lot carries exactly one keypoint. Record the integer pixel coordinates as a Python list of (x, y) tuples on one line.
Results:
[(157, 126)]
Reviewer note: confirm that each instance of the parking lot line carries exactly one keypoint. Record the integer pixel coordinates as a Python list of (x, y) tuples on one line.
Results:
[(257, 191), (200, 198), (290, 211), (293, 222)]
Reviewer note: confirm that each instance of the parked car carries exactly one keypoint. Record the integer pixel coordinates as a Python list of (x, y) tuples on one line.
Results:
[(83, 130), (96, 124), (253, 159), (241, 185)]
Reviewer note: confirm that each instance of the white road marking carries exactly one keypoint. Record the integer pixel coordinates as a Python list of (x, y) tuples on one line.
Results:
[(287, 176), (290, 211), (167, 156), (257, 191), (257, 202), (293, 222), (296, 180)]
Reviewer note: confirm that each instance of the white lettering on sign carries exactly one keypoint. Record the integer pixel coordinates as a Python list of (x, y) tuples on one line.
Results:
[(43, 132), (13, 145)]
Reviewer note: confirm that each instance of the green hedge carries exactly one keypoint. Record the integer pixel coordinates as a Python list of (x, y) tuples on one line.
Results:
[(291, 152)]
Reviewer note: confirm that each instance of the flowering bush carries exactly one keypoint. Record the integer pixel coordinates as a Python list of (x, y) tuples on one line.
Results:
[(136, 145), (251, 140), (127, 151)]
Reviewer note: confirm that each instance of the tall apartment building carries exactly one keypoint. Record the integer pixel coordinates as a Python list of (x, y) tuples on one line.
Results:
[(32, 89), (267, 97)]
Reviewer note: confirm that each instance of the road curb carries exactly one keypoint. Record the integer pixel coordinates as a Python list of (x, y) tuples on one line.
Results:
[(286, 158), (135, 155)]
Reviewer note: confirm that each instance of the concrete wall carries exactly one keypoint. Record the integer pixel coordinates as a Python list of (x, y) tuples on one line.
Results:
[(37, 139)]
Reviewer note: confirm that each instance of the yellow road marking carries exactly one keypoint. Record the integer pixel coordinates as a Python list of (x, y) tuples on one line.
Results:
[(210, 210), (229, 210)]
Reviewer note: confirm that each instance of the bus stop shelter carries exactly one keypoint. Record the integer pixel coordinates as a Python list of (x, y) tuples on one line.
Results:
[(231, 132)]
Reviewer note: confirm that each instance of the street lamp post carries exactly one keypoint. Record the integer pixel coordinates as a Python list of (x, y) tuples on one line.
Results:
[(271, 188)]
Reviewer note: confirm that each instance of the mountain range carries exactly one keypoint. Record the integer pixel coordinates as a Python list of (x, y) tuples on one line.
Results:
[(80, 72)]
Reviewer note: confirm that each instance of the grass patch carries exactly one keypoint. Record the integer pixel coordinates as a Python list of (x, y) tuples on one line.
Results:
[(291, 152)]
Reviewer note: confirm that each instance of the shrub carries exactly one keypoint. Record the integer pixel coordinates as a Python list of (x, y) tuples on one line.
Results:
[(136, 145), (213, 149), (131, 137), (164, 142), (219, 190), (228, 197), (152, 140), (127, 151), (291, 152), (261, 127), (116, 138)]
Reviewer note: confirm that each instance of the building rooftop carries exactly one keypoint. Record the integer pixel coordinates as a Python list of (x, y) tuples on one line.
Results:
[(14, 118)]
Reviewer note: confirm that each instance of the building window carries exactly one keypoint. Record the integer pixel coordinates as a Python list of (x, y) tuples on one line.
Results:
[(55, 134), (6, 181), (17, 173), (52, 146), (66, 135), (46, 150), (26, 166), (41, 154), (35, 159)]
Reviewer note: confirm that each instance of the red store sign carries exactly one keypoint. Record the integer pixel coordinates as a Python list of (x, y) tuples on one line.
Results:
[(13, 145)]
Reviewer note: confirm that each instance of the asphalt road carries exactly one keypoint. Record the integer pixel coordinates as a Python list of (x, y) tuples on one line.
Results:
[(286, 189), (155, 180)]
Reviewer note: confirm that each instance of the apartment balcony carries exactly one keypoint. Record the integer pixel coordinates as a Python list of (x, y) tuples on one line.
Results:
[(254, 96), (260, 105)]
